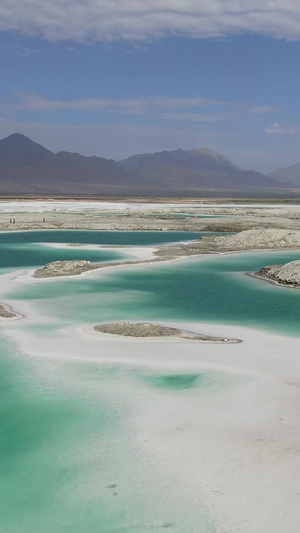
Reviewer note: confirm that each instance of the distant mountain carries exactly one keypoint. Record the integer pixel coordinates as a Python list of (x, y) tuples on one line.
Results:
[(193, 169), (287, 174), (28, 168)]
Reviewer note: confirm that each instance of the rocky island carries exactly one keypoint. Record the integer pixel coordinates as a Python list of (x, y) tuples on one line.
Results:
[(263, 238), (64, 268), (287, 275), (5, 312), (253, 239), (147, 329)]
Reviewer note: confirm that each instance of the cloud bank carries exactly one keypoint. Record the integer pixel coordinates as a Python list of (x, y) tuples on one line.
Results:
[(276, 129), (197, 109), (138, 20)]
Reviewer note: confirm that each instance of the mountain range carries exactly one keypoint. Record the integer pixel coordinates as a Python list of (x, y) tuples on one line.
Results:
[(287, 174), (27, 168)]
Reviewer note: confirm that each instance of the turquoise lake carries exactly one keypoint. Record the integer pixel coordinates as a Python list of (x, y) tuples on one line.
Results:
[(68, 449), (23, 249), (213, 289)]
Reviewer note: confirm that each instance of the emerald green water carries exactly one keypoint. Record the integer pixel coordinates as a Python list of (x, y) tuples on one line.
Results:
[(214, 289), (29, 255), (182, 382), (175, 381), (23, 249), (69, 461), (45, 433), (69, 453), (134, 238)]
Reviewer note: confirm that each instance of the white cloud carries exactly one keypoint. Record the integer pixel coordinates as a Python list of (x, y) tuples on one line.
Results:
[(262, 109), (110, 20), (276, 129), (35, 102), (197, 117), (196, 109)]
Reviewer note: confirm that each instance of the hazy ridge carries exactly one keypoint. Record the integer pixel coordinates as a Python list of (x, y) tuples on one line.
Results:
[(27, 168)]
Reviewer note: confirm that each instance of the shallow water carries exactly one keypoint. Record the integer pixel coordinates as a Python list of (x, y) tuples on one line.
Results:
[(69, 456), (68, 450), (25, 249), (72, 457), (212, 289), (134, 238)]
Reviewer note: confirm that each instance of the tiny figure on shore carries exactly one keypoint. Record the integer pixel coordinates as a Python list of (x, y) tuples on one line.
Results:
[(44, 220)]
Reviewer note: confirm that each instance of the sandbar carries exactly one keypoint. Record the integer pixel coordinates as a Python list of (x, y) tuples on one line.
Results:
[(149, 329), (7, 313), (287, 275)]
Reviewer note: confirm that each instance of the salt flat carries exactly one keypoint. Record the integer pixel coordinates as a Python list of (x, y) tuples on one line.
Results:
[(145, 216)]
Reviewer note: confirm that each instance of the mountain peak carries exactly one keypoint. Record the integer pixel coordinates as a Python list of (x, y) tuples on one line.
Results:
[(17, 150), (19, 143), (211, 153), (206, 151), (16, 138)]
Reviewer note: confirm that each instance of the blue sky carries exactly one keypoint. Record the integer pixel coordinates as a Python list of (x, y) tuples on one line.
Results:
[(114, 78)]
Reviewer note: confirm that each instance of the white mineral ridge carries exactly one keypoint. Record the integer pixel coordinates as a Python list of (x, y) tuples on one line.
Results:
[(258, 238), (64, 268), (288, 273)]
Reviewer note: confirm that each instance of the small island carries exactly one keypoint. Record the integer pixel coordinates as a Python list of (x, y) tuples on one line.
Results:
[(147, 330), (5, 312), (64, 268), (286, 275)]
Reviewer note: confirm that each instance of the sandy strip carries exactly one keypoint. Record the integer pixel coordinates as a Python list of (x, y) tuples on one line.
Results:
[(107, 268), (140, 253), (15, 206), (6, 313), (145, 330)]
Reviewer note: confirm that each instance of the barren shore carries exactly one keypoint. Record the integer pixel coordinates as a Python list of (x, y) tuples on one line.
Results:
[(145, 216), (287, 275)]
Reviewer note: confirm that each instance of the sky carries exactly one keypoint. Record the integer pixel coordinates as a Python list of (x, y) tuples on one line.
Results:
[(115, 78)]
